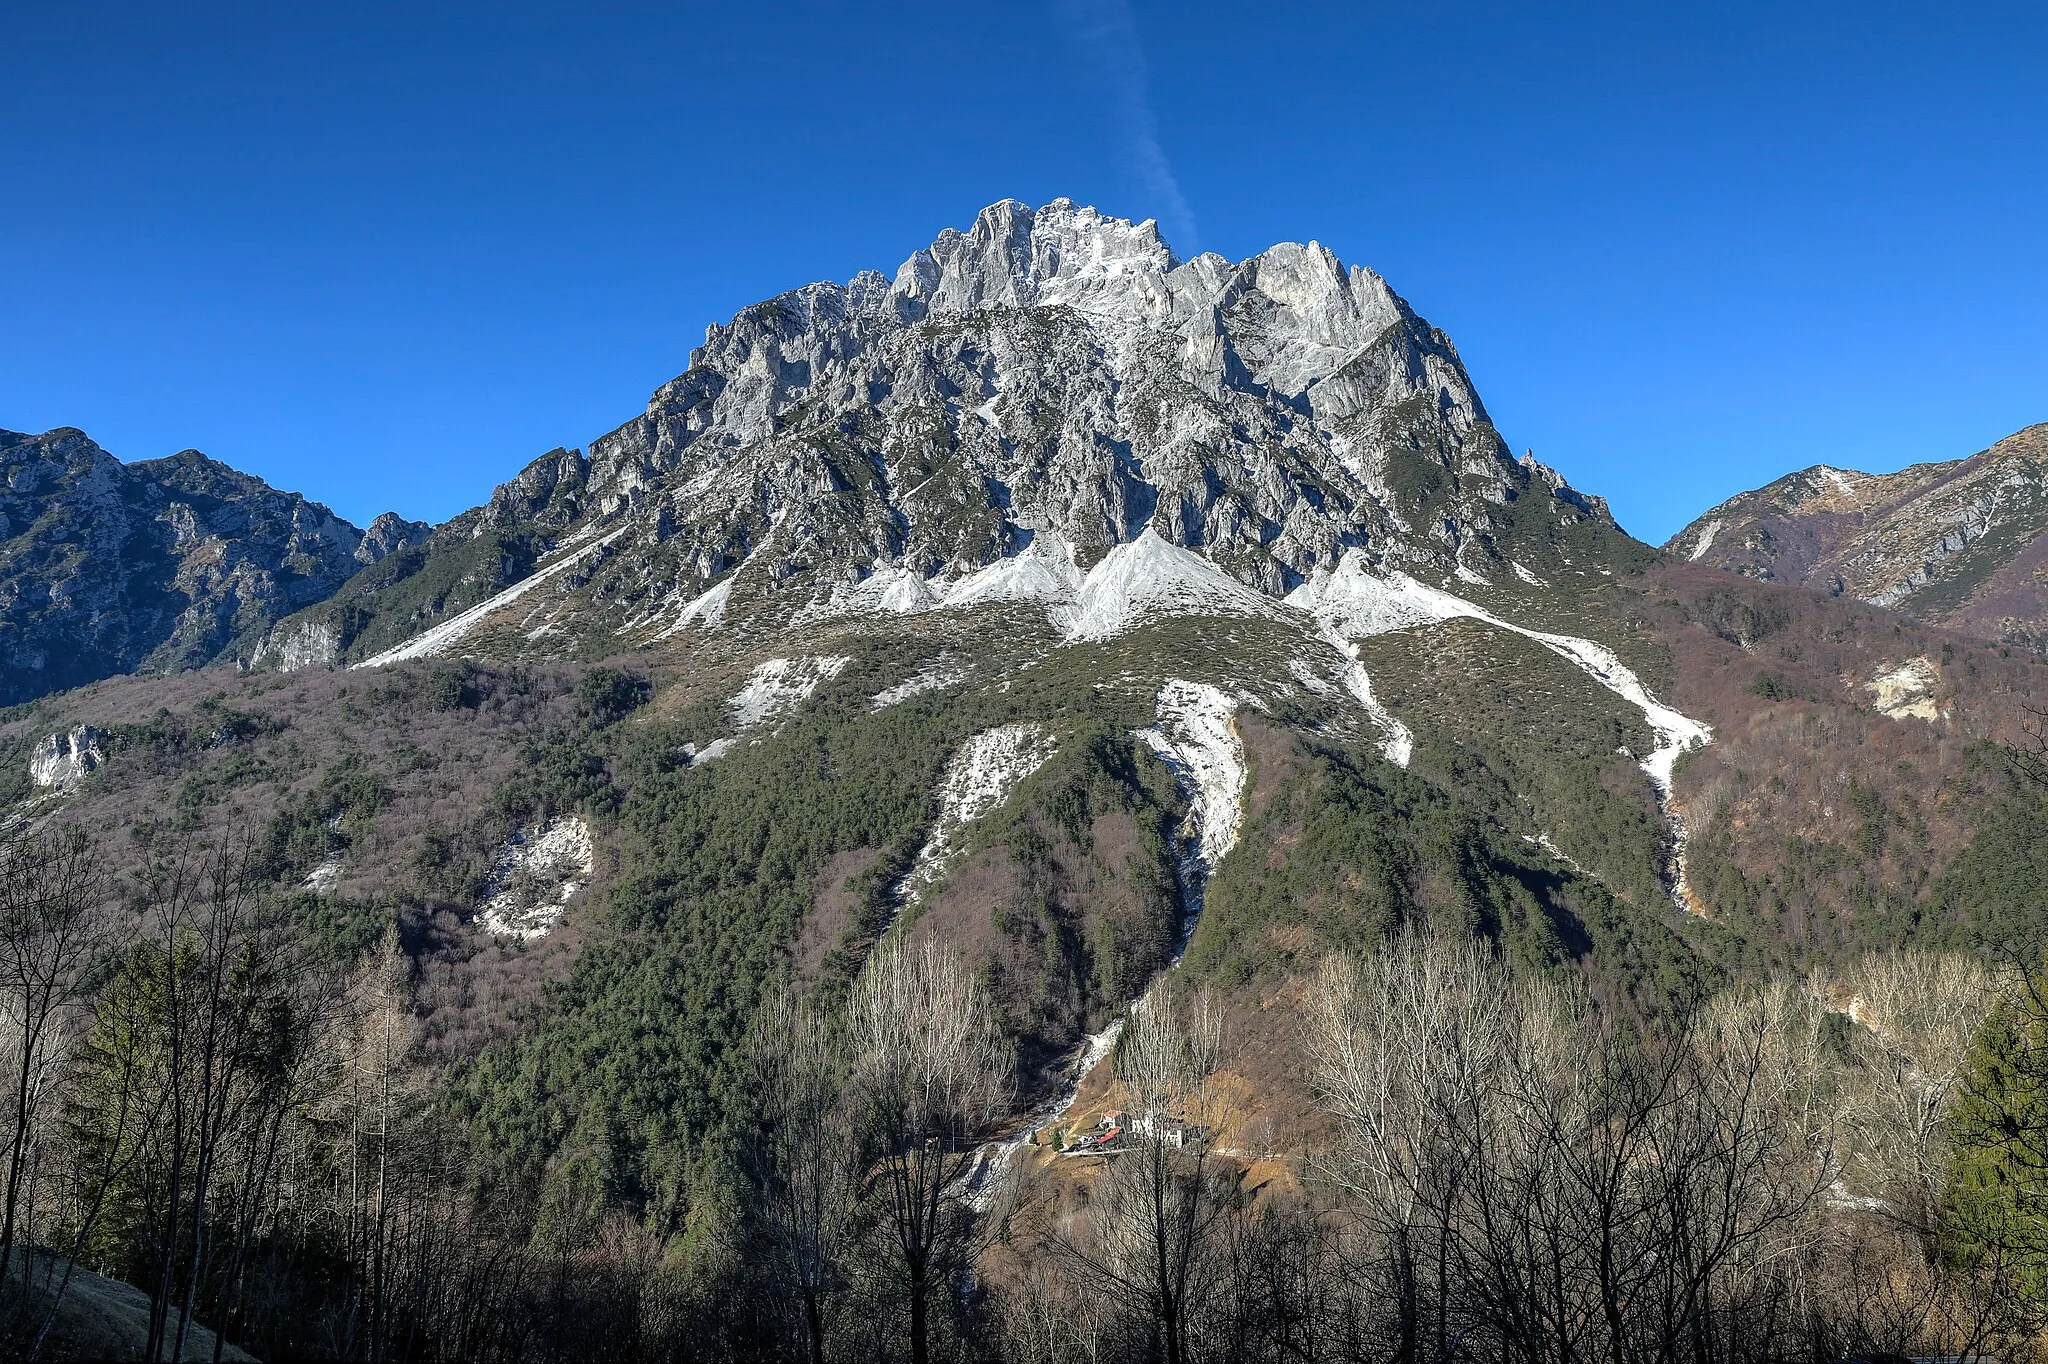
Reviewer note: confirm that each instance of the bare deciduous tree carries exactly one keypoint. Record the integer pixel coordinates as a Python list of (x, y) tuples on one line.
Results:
[(802, 1158), (1919, 1012), (1398, 1043), (1535, 1181), (933, 1072), (50, 935), (1149, 1236)]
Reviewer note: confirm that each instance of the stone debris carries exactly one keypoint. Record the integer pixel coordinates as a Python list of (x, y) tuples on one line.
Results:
[(978, 778), (534, 876), (1195, 736), (1907, 691)]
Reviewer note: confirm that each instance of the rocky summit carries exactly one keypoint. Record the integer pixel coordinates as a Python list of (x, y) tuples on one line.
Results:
[(1018, 402), (1962, 543)]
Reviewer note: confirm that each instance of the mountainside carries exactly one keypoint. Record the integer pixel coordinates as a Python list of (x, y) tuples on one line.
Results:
[(1962, 543), (1079, 608), (109, 568)]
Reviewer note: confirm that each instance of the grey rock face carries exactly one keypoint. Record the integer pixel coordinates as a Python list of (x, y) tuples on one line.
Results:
[(295, 644), (389, 534), (1054, 373), (108, 567), (548, 491), (62, 761)]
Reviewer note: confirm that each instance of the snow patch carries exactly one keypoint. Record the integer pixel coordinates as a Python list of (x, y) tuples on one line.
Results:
[(438, 640), (1549, 845), (324, 876), (1044, 572), (533, 878), (707, 608), (1397, 741), (1839, 1199), (1351, 601), (1681, 885), (1194, 738), (930, 679), (772, 689), (717, 748), (777, 686), (1306, 675), (978, 778), (887, 591), (984, 1179)]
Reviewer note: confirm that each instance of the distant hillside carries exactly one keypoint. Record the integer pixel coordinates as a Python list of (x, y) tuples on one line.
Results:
[(110, 568), (1962, 544)]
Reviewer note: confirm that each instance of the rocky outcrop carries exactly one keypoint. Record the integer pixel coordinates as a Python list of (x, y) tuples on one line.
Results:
[(295, 644), (1962, 544), (389, 534), (61, 761), (108, 567)]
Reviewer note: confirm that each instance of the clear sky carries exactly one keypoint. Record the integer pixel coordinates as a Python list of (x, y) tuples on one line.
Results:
[(387, 253)]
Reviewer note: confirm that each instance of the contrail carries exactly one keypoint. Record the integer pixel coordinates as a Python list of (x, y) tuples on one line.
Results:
[(1107, 37)]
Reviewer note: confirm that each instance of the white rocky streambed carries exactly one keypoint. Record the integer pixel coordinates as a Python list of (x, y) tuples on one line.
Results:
[(977, 779), (1352, 602), (1195, 735)]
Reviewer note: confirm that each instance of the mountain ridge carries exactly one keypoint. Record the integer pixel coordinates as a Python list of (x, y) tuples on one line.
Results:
[(1958, 542), (110, 567), (1049, 381)]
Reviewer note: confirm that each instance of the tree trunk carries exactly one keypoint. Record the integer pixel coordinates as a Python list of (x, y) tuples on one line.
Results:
[(920, 1345), (814, 1318)]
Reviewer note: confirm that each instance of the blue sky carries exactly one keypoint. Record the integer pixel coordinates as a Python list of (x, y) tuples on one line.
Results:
[(385, 254)]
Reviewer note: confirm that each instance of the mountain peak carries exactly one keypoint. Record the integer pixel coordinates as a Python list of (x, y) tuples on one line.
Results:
[(158, 565), (1047, 376), (1018, 256)]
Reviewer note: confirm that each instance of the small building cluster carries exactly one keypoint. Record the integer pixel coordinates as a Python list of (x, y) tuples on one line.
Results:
[(1114, 1131)]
